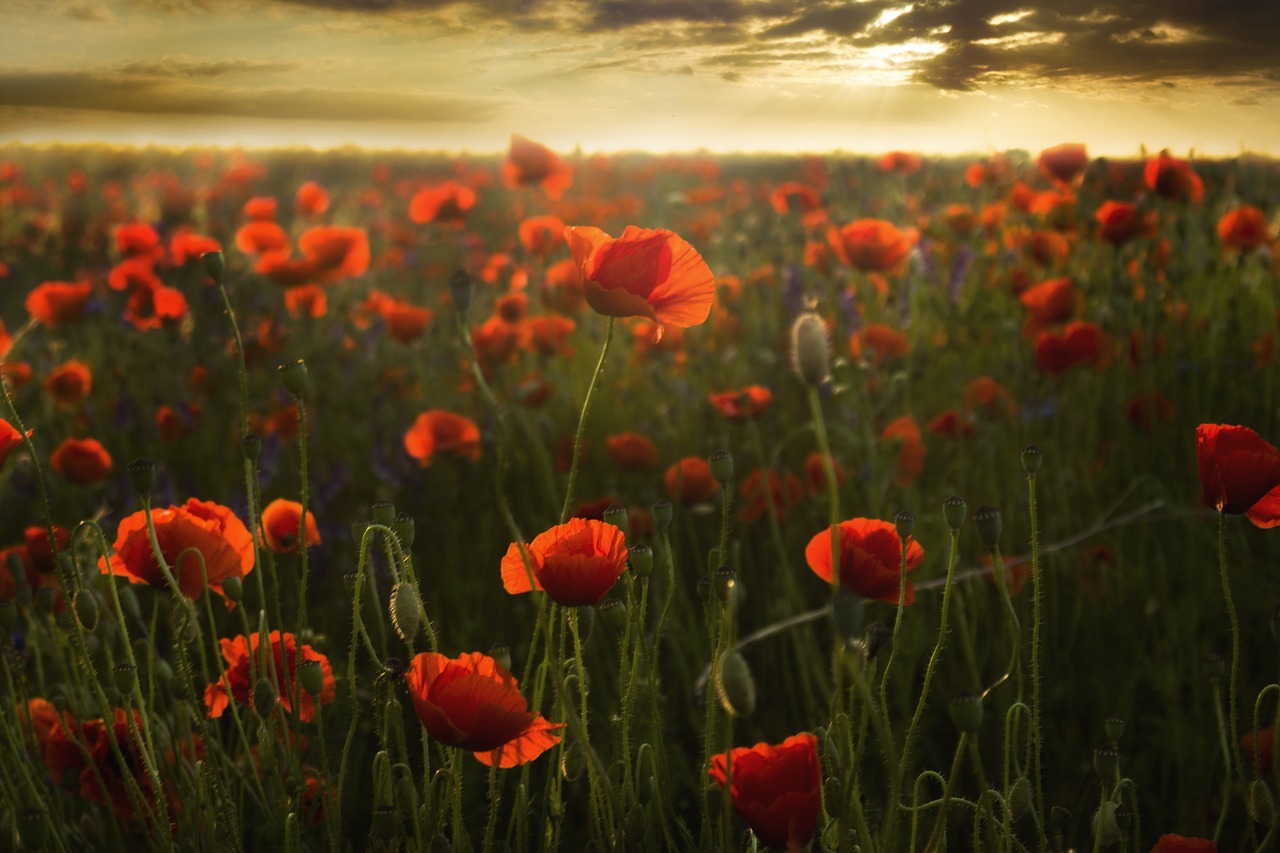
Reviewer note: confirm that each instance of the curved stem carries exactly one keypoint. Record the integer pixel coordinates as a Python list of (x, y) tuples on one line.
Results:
[(582, 423)]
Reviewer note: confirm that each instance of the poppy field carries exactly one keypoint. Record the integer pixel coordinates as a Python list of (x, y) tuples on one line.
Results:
[(369, 500)]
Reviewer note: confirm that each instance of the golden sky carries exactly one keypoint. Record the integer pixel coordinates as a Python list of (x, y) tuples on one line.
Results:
[(945, 76)]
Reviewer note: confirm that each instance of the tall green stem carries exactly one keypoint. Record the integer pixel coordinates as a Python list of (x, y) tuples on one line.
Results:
[(582, 423)]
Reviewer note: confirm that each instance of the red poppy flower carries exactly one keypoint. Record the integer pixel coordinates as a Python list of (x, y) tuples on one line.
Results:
[(870, 558), (280, 526), (448, 202), (82, 754), (495, 341), (549, 333), (1172, 178), (631, 451), (815, 473), (405, 322), (782, 491), (56, 302), (911, 451), (871, 245), (1119, 222), (986, 393), (540, 235), (744, 405), (1174, 843), (689, 481), (1047, 303), (883, 342), (511, 307), (260, 237), (236, 682), (10, 440), (338, 252), (189, 246), (1243, 228), (311, 199), (150, 308), (1063, 163), (137, 238), (307, 300), (1239, 471), (646, 272), (69, 383), (83, 461), (776, 789), (260, 208), (529, 163), (951, 424), (576, 562), (212, 529), (1077, 345), (1149, 410), (562, 289), (790, 193), (438, 431), (287, 271), (472, 702), (1259, 746)]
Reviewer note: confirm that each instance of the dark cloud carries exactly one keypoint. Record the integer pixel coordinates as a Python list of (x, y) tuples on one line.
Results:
[(731, 76), (178, 66), (89, 12), (132, 94), (1247, 101), (837, 19)]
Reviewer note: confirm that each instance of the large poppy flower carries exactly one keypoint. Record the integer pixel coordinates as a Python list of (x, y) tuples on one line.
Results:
[(280, 522), (474, 703), (56, 302), (1119, 222), (631, 451), (1079, 344), (438, 431), (212, 529), (236, 682), (337, 252), (871, 245), (1171, 178), (576, 563), (529, 163), (870, 558), (81, 754), (1239, 472), (1243, 228), (1171, 842), (83, 461), (776, 789), (689, 481), (646, 272)]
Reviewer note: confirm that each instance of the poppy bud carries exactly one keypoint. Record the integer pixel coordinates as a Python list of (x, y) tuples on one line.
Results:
[(460, 290), (735, 685), (383, 790), (1032, 459), (966, 712), (251, 447), (721, 463), (129, 602), (614, 615), (574, 762), (294, 377), (265, 697), (311, 676), (1019, 798), (214, 265), (810, 350), (405, 615), (406, 794), (44, 598), (143, 474), (725, 584), (386, 823), (404, 529), (846, 614), (292, 833), (662, 512), (1214, 666), (1106, 763), (615, 515), (384, 512), (832, 794), (878, 634), (1115, 729), (33, 826), (584, 620), (1105, 826), (1260, 804), (8, 614), (233, 588), (1058, 817), (440, 844), (954, 510), (502, 655), (990, 525), (86, 607), (641, 559), (125, 676), (905, 523)]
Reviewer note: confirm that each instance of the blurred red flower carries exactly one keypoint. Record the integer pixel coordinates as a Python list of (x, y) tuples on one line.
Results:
[(237, 684), (759, 491), (260, 237), (311, 199), (1171, 178), (530, 163), (870, 559), (1259, 746), (689, 481), (280, 526), (1063, 163), (815, 473), (1243, 228), (83, 461), (448, 202), (56, 302), (776, 789), (1119, 222), (911, 451), (1174, 843), (871, 245), (631, 451), (10, 440), (438, 431), (1079, 344), (338, 252), (540, 235), (883, 341), (576, 562), (69, 383), (1239, 472), (744, 405)]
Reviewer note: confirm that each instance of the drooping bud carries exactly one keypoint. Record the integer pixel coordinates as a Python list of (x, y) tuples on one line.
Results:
[(233, 588), (406, 617), (294, 377), (85, 604), (1019, 798), (721, 463), (990, 525), (214, 265), (878, 635), (1105, 826), (574, 762), (735, 685), (954, 510), (810, 349), (967, 712), (386, 823), (1260, 803)]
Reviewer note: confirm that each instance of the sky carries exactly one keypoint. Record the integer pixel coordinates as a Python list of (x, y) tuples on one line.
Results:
[(940, 77)]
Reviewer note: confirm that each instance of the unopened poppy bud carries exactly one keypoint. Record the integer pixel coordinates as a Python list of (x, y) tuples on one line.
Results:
[(44, 598), (616, 515), (251, 447), (574, 762), (406, 794), (406, 617), (990, 525), (460, 290), (129, 602), (86, 607), (846, 614), (383, 789), (265, 697), (502, 655), (386, 823), (735, 685), (294, 377), (966, 712), (832, 794), (905, 523), (142, 473), (878, 634), (721, 463), (1106, 763), (613, 613), (1058, 819), (440, 844), (633, 825), (311, 676), (214, 265), (640, 558), (1105, 826), (33, 826), (725, 584), (1115, 729), (1019, 798), (584, 620), (1032, 459), (1215, 666), (404, 528), (1260, 803), (125, 676), (233, 588), (384, 512), (663, 510), (954, 510), (810, 349), (8, 614)]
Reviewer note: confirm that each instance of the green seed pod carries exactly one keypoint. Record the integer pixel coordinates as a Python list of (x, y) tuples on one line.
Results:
[(502, 655), (663, 511), (265, 697), (251, 447), (404, 528), (954, 510), (810, 349), (1058, 819), (386, 823), (616, 515), (1019, 797), (311, 676), (847, 609), (125, 676), (1115, 729), (460, 291), (1104, 824), (967, 712), (905, 523), (990, 525), (1106, 763), (1214, 666), (142, 472), (574, 762), (640, 557), (1123, 817), (214, 265), (1032, 459), (44, 597), (878, 634), (721, 463), (1260, 803), (832, 794), (724, 583), (383, 512), (233, 588), (735, 685), (33, 826), (294, 377), (406, 618), (613, 613)]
